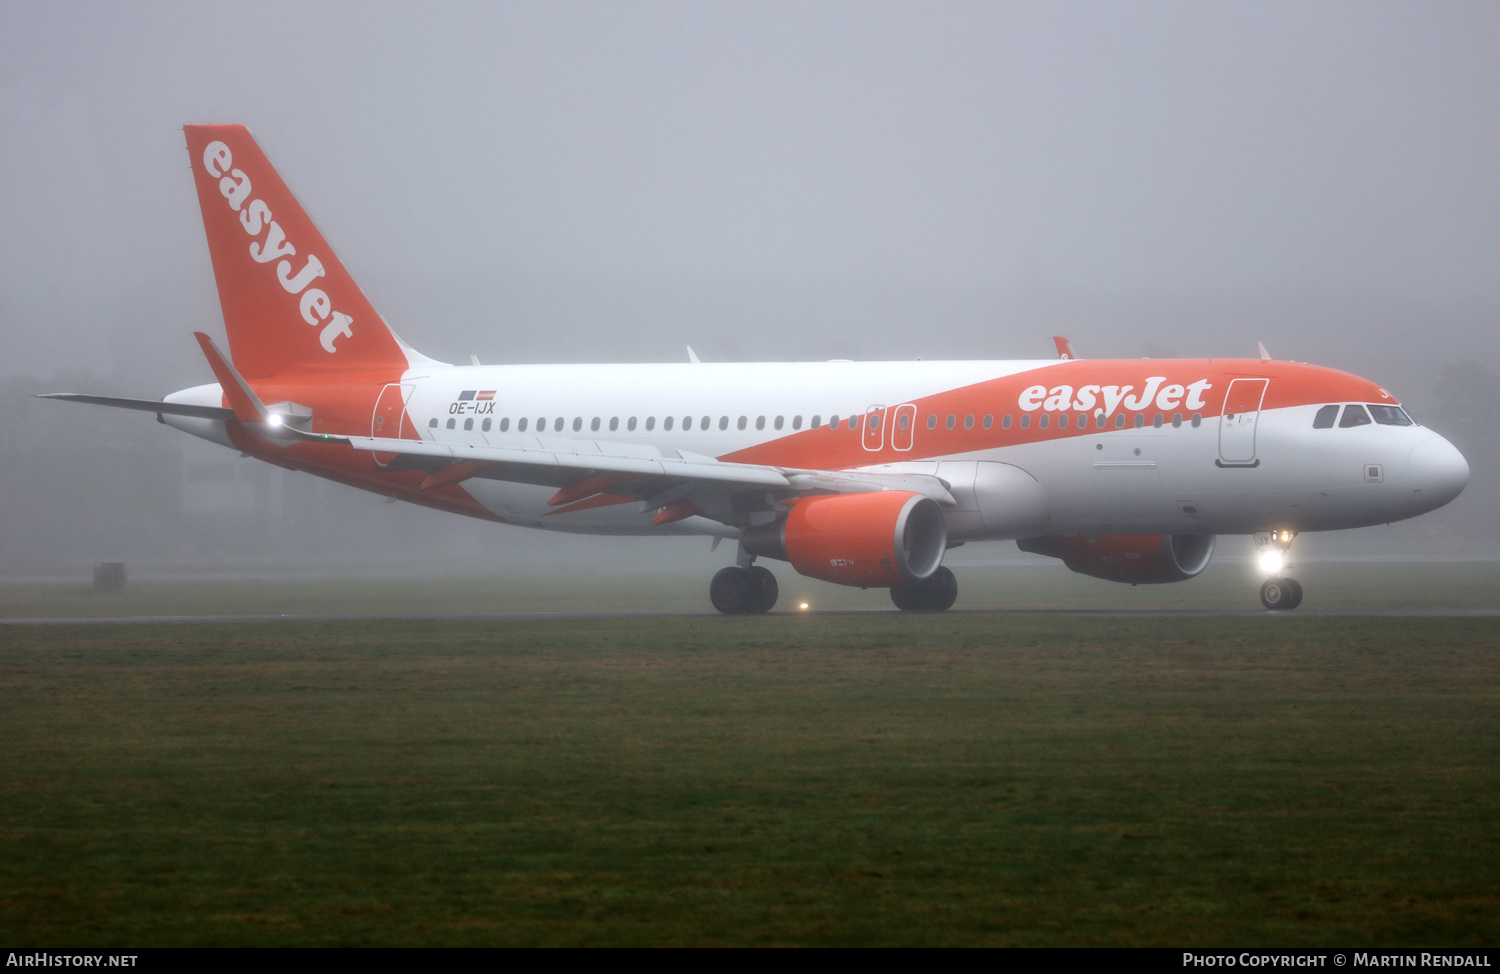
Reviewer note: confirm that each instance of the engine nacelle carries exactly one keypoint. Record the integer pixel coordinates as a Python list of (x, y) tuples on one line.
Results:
[(872, 540), (1140, 559)]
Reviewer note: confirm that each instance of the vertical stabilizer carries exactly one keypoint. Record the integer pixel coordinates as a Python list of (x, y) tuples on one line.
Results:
[(289, 305)]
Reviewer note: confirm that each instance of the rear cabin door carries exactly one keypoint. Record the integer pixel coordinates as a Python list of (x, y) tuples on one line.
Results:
[(390, 419)]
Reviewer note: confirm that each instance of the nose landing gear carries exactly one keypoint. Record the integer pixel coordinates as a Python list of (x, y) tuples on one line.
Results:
[(1277, 592)]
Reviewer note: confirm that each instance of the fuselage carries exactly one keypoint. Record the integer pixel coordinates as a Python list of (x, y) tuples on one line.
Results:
[(1206, 446)]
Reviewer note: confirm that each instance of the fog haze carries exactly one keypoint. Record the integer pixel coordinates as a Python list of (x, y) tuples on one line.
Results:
[(610, 182)]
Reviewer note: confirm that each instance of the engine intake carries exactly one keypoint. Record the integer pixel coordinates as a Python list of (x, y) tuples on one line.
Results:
[(1140, 559), (872, 540)]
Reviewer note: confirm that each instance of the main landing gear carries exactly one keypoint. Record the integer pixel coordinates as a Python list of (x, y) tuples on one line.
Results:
[(1277, 592), (935, 593), (743, 591)]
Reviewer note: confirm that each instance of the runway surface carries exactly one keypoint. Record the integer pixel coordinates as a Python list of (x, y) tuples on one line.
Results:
[(1438, 613)]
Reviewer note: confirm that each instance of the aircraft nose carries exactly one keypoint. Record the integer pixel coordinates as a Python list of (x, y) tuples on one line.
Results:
[(1439, 471)]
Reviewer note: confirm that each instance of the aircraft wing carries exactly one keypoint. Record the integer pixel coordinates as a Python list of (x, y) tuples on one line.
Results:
[(665, 479)]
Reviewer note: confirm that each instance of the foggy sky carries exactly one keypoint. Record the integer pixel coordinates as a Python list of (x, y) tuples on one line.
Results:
[(607, 182)]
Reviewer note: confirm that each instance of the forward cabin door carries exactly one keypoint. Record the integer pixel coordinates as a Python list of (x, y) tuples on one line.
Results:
[(1237, 422), (390, 419)]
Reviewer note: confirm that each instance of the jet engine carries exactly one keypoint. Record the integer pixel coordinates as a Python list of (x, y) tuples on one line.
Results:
[(872, 540), (1140, 559)]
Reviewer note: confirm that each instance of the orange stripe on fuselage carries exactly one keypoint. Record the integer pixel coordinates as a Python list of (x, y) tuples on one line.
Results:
[(1291, 384)]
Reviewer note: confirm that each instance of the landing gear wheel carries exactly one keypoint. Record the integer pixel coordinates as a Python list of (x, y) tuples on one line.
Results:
[(764, 589), (935, 593), (1295, 594), (1276, 593), (732, 591), (941, 590)]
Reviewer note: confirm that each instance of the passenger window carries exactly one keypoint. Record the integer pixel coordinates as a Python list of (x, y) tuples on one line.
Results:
[(796, 422), (521, 425), (1025, 421), (505, 424), (1177, 421), (1354, 416), (485, 426), (817, 421), (1156, 421), (1119, 421), (1041, 421), (1062, 421), (1326, 416), (741, 423), (777, 424), (432, 423), (1140, 420), (687, 423), (1389, 415), (833, 422), (969, 421), (708, 421), (1197, 420), (577, 424), (902, 422), (1099, 421), (666, 424), (450, 424), (854, 422), (468, 424), (989, 420), (932, 421), (1005, 421), (874, 421), (951, 421), (760, 422), (614, 423)]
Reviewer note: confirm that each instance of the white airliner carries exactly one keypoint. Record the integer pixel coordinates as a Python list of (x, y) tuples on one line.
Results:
[(857, 473)]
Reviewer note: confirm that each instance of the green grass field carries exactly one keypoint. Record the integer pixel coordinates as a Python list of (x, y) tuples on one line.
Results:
[(870, 779), (1040, 585)]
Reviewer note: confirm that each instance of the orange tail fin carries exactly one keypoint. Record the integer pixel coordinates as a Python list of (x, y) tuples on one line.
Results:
[(289, 305)]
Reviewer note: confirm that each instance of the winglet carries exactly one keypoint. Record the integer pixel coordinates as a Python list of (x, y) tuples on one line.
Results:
[(1265, 355), (692, 355), (1064, 350), (242, 399)]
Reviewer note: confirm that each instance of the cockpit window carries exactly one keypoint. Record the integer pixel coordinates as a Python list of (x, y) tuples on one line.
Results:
[(1354, 416), (1390, 415), (1326, 416)]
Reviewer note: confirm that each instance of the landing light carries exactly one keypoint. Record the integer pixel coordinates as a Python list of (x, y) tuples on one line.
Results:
[(274, 419), (803, 606), (1271, 562)]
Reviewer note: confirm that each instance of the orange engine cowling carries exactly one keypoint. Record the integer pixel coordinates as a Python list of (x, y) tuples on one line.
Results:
[(1140, 559), (872, 540)]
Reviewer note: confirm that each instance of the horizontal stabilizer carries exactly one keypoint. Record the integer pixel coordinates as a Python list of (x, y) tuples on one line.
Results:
[(147, 405)]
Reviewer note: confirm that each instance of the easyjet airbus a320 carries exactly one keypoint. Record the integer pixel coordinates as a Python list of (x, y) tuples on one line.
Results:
[(857, 473)]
